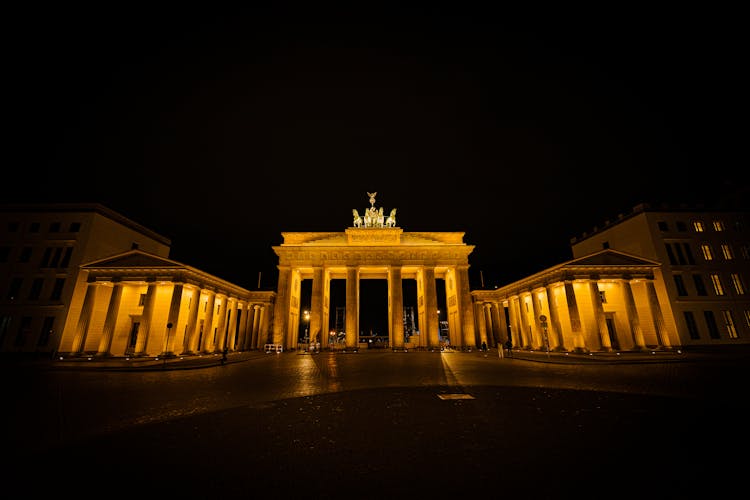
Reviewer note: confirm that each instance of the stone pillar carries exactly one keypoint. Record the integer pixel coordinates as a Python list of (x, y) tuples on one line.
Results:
[(231, 335), (503, 324), (105, 345), (464, 303), (265, 316), (396, 307), (281, 314), (516, 328), (219, 337), (190, 340), (82, 328), (601, 322), (579, 343), (523, 314), (141, 346), (208, 323), (483, 320), (496, 338), (242, 319), (555, 328), (316, 310), (486, 333), (539, 340), (352, 307), (174, 314), (430, 299), (256, 341), (661, 333), (639, 343)]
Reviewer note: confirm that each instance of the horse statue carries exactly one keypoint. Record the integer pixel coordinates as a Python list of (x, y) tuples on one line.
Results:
[(357, 218), (381, 217), (391, 220)]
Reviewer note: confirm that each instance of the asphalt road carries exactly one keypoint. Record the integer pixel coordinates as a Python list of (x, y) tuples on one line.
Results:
[(380, 425)]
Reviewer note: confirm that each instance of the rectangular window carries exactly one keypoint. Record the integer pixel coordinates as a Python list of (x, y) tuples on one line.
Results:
[(670, 254), (716, 282), (698, 226), (25, 255), (65, 262), (680, 255), (54, 227), (680, 284), (55, 257), (662, 225), (24, 330), (713, 330), (729, 323), (739, 286), (718, 225), (700, 286), (36, 288), (688, 253), (57, 289), (14, 289), (45, 258), (726, 251), (74, 227), (46, 332), (691, 325), (708, 254)]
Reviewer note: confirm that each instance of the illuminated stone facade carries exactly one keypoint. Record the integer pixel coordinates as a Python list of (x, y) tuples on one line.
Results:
[(606, 301), (140, 304), (375, 253)]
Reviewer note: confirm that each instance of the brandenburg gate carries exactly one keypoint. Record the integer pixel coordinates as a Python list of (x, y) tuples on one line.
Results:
[(374, 248)]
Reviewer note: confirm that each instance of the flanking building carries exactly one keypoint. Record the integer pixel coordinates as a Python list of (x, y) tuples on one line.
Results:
[(657, 277)]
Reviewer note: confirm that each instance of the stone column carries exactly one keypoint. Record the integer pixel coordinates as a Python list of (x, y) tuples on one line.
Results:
[(483, 319), (281, 314), (661, 333), (466, 313), (396, 307), (217, 339), (639, 343), (555, 328), (316, 310), (82, 328), (208, 323), (242, 319), (486, 332), (141, 346), (514, 310), (496, 326), (579, 343), (432, 328), (352, 307), (538, 332), (231, 335), (174, 314), (503, 324), (256, 341), (105, 345), (601, 322), (190, 340), (523, 314)]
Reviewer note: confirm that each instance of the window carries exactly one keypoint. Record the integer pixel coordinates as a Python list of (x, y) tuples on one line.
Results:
[(14, 288), (663, 227), (747, 317), (65, 262), (46, 331), (691, 325), (670, 254), (713, 330), (36, 288), (729, 324), (688, 253), (726, 251), (24, 329), (45, 258), (74, 227), (680, 255), (681, 226), (739, 286), (716, 281), (707, 252), (57, 289), (605, 245), (718, 225), (54, 227), (698, 226), (700, 286), (25, 255), (680, 284), (55, 257), (142, 300)]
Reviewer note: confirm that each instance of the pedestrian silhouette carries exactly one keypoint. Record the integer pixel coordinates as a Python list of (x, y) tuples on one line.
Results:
[(509, 346)]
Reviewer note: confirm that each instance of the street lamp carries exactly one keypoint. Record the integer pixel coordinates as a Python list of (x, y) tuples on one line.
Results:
[(306, 314)]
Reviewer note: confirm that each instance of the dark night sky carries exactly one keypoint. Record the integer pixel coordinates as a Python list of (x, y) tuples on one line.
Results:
[(222, 128)]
